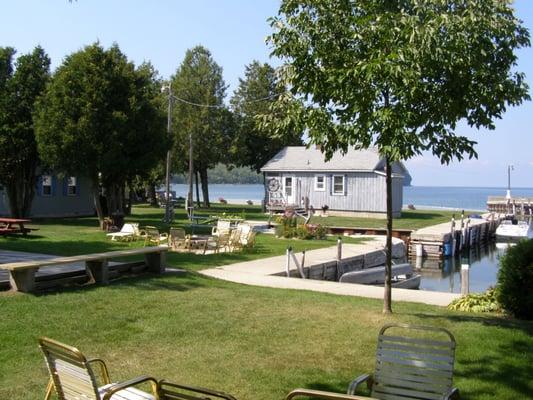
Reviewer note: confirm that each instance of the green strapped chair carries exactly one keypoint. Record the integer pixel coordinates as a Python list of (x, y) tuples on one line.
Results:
[(74, 377), (411, 366), (173, 391)]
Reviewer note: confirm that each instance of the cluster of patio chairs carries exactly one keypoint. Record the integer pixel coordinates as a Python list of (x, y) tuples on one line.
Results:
[(417, 365), (224, 237)]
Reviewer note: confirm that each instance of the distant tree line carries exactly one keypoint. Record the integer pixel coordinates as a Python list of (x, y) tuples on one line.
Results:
[(223, 174), (100, 116)]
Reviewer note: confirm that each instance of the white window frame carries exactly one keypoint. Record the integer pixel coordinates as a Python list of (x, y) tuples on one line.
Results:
[(323, 188), (333, 193), (72, 182), (46, 181)]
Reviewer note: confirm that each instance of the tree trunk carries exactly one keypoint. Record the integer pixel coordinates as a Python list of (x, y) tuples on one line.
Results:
[(152, 195), (205, 188), (197, 189), (21, 190), (387, 300), (97, 204)]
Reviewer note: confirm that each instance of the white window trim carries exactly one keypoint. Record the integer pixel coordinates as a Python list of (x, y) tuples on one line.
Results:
[(323, 189), (333, 185), (43, 185), (75, 186)]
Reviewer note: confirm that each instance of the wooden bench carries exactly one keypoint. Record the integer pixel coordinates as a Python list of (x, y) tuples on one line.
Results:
[(22, 274)]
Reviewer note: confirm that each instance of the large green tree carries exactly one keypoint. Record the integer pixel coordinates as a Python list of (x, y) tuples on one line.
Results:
[(101, 118), (200, 114), (399, 75), (254, 144), (20, 86)]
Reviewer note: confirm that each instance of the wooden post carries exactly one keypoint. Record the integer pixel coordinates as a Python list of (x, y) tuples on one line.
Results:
[(98, 270), (156, 262), (22, 280), (339, 258), (465, 275), (288, 264)]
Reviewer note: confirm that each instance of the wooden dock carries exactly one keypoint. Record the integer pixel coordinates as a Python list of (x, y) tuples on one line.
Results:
[(448, 238), (515, 205)]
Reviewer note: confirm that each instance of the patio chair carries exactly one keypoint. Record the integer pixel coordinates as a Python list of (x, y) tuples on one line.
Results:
[(223, 228), (217, 243), (129, 231), (235, 240), (173, 391), (410, 366), (74, 377), (153, 237), (177, 239)]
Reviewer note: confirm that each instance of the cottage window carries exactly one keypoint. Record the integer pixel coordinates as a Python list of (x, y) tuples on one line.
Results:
[(320, 183), (338, 184), (46, 182), (72, 187)]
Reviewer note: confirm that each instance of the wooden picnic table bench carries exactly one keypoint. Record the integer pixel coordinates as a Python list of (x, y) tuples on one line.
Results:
[(22, 273), (7, 226)]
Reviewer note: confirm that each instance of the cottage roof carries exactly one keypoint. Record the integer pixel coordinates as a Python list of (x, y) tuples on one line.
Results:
[(301, 158)]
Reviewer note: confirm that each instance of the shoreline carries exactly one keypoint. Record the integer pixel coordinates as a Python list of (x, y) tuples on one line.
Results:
[(418, 207)]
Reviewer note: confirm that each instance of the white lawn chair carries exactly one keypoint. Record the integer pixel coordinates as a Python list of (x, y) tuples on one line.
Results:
[(129, 231)]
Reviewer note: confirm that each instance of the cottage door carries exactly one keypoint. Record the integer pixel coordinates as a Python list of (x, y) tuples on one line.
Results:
[(289, 189)]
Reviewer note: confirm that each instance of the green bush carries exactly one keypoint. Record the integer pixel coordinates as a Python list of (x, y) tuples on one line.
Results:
[(288, 227), (477, 302), (515, 280)]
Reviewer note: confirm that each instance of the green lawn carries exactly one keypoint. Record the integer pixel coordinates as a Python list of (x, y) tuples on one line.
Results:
[(250, 341), (412, 219)]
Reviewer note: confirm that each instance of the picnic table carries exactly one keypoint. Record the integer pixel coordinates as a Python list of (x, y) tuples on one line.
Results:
[(9, 226)]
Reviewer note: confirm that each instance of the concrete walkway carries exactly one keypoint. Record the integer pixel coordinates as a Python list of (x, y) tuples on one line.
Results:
[(269, 272)]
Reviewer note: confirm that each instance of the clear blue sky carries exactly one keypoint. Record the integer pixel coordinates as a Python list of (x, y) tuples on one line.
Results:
[(235, 30)]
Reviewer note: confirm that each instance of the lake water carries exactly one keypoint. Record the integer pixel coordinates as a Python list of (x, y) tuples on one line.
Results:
[(445, 275), (468, 198)]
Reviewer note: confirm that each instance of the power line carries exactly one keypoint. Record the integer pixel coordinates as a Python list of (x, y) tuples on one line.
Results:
[(222, 106)]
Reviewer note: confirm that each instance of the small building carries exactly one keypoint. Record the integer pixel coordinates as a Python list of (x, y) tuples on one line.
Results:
[(350, 184), (57, 196)]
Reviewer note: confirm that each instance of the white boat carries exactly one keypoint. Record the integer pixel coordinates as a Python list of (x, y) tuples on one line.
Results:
[(403, 276), (511, 229)]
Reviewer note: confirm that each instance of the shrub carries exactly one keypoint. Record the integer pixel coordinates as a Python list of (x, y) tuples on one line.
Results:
[(477, 302), (515, 280), (288, 227)]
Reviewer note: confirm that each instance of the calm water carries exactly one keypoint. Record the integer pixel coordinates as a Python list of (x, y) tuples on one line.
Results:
[(444, 276), (468, 198)]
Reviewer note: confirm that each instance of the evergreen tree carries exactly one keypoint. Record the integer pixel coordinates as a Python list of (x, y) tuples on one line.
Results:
[(19, 89), (101, 118)]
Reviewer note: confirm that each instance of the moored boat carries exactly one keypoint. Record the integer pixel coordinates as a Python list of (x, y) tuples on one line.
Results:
[(403, 276), (513, 230)]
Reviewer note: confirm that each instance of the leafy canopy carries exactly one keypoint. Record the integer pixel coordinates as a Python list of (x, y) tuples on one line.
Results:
[(255, 144), (100, 117), (399, 75)]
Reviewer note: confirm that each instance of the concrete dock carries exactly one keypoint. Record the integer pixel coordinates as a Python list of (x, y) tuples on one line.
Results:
[(271, 272)]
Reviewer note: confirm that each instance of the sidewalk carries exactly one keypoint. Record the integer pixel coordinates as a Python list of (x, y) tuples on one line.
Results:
[(263, 273)]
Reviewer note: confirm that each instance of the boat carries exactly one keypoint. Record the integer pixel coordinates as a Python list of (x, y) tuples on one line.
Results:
[(510, 229), (403, 276)]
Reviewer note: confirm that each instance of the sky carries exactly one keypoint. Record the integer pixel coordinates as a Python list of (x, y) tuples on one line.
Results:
[(234, 31)]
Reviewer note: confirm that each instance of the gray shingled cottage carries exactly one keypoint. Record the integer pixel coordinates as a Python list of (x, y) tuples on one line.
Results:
[(349, 184), (57, 196)]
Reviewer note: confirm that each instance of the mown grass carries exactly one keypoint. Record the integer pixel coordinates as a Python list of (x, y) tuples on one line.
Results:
[(250, 341), (410, 219)]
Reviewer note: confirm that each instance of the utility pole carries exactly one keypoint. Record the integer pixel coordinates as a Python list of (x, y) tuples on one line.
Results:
[(508, 195), (168, 213), (190, 202)]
